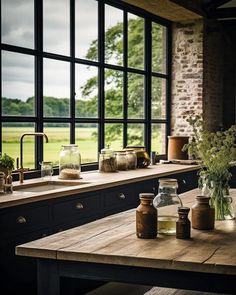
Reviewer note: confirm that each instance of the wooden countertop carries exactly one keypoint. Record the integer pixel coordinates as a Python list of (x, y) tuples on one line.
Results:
[(91, 181), (112, 240)]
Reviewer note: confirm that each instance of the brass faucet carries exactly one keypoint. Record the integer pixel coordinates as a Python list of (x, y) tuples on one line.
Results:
[(21, 170)]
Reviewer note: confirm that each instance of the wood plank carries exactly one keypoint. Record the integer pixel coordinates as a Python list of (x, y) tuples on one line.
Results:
[(113, 240)]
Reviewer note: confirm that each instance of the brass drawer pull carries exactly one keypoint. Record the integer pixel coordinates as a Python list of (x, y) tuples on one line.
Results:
[(21, 220), (79, 206), (122, 196)]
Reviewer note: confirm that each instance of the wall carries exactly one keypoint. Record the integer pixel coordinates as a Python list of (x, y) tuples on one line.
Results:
[(187, 74), (204, 74), (213, 48)]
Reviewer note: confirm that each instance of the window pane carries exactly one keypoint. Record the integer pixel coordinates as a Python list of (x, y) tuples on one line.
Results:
[(86, 29), (113, 94), (86, 136), (135, 134), (17, 84), (56, 91), (114, 136), (158, 98), (135, 96), (11, 134), (159, 138), (58, 135), (86, 88), (113, 35), (135, 41), (158, 48), (18, 22), (56, 26)]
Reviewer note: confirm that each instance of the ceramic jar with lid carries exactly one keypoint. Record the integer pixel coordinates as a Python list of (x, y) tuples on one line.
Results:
[(146, 217), (69, 162), (203, 215)]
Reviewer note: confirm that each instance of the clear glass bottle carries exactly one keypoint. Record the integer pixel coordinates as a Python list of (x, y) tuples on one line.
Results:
[(167, 202), (69, 162)]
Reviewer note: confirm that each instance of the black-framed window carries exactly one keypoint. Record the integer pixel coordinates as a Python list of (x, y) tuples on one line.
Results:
[(89, 72)]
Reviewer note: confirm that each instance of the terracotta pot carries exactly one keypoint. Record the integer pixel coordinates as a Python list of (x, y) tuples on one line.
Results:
[(175, 145)]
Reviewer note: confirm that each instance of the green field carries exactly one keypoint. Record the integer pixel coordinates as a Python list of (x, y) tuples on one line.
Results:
[(58, 136)]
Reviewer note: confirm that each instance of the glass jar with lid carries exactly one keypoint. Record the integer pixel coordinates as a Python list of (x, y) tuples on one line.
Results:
[(121, 160), (69, 162), (107, 160), (131, 158), (167, 203), (143, 159)]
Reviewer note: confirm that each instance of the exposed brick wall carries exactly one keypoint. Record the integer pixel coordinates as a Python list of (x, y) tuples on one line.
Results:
[(187, 74), (213, 74)]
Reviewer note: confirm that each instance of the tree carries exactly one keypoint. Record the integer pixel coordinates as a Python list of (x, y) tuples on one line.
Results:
[(114, 80)]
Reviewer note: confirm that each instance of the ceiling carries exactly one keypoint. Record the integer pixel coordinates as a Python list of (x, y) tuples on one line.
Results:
[(180, 10)]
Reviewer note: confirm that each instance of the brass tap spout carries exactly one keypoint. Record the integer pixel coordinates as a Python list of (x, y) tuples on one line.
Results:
[(21, 170)]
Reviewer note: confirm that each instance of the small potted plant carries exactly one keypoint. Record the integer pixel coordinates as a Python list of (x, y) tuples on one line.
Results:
[(6, 163)]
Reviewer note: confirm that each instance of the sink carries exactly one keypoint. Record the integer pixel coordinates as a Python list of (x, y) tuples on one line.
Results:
[(47, 186)]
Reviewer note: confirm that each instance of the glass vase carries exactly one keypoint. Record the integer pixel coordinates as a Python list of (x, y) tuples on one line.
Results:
[(222, 202)]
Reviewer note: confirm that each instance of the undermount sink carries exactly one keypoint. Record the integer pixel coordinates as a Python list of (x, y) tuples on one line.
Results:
[(46, 186)]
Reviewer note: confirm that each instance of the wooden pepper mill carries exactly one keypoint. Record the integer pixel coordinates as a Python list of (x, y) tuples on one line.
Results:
[(146, 217), (203, 215)]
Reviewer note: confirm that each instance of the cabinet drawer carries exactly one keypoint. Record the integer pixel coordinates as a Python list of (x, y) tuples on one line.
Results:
[(119, 198), (76, 208), (24, 220)]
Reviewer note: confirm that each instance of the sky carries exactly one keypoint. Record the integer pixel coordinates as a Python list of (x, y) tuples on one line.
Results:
[(18, 29)]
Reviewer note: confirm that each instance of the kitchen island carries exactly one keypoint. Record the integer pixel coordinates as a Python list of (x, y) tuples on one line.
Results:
[(108, 250)]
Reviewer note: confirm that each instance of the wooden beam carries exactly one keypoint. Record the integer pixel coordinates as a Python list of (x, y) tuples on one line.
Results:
[(213, 4), (193, 6), (223, 13)]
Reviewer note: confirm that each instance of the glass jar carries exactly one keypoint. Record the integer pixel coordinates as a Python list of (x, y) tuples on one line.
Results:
[(167, 202), (69, 162), (107, 161), (131, 159), (46, 170), (146, 217), (121, 160), (143, 159), (2, 181)]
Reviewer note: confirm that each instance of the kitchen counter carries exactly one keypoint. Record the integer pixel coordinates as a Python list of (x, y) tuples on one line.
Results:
[(91, 181), (108, 249)]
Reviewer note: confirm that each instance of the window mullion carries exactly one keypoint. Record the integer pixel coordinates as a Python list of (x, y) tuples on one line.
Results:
[(72, 71), (101, 78), (148, 84)]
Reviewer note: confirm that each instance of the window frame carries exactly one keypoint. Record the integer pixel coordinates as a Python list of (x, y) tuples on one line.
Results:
[(147, 72)]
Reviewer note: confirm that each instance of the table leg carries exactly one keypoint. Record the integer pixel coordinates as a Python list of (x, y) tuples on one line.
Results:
[(48, 277)]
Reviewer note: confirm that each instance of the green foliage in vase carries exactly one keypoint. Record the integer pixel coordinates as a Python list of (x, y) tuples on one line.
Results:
[(7, 161), (217, 153)]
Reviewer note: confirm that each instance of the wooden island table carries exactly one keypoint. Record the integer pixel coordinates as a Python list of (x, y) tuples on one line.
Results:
[(108, 250)]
